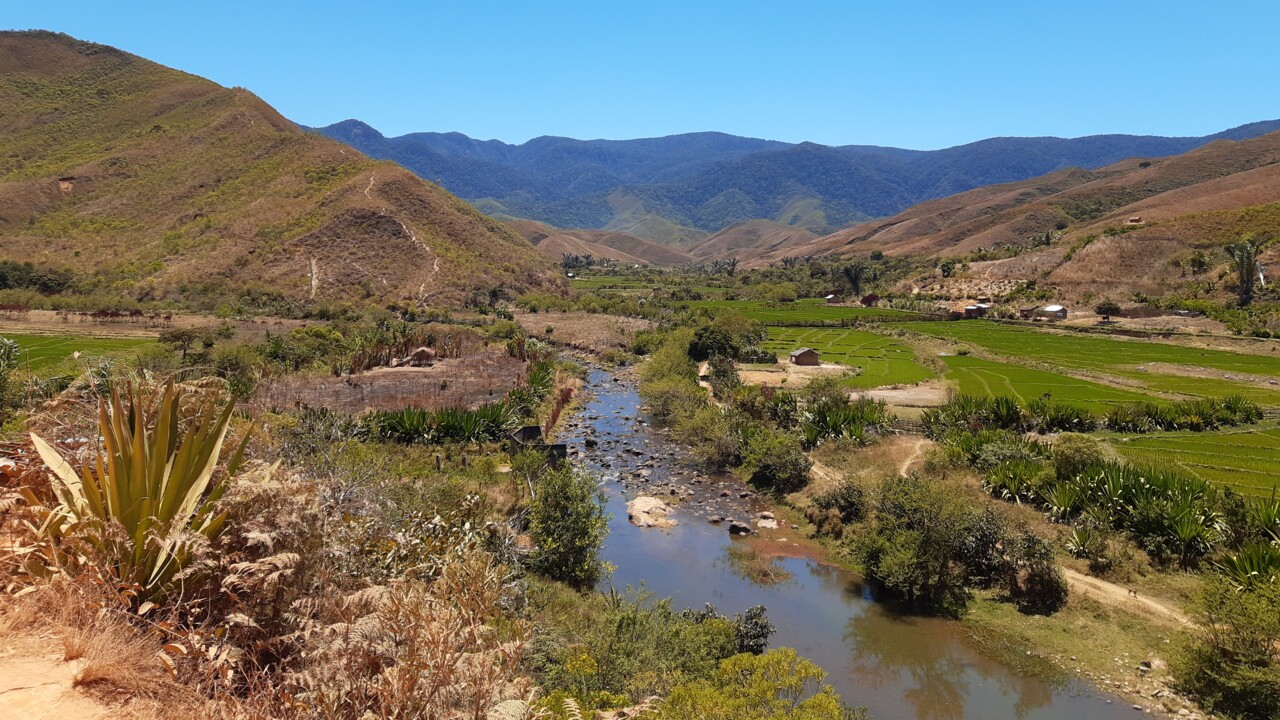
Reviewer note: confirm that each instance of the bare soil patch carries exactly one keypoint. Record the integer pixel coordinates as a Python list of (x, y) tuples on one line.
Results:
[(792, 376), (454, 382), (927, 394), (584, 331)]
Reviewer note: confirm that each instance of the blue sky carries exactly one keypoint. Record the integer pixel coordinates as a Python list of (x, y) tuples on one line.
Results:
[(910, 74)]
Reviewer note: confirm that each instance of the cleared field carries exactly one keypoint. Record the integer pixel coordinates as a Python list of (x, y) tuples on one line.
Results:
[(884, 360), (1248, 461), (1119, 357), (975, 376), (809, 310), (47, 352), (616, 282)]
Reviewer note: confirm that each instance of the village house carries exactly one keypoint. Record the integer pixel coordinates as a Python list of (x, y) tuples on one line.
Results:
[(805, 356)]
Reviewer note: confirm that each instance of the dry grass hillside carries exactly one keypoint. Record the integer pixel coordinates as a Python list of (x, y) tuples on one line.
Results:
[(751, 240), (1200, 200), (622, 247), (166, 185)]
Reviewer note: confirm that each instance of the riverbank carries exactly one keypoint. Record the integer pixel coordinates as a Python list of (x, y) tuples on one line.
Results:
[(899, 666)]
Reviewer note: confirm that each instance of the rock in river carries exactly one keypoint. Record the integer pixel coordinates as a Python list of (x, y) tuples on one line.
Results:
[(647, 511)]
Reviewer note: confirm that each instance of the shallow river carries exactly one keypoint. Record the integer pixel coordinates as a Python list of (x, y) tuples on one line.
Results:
[(900, 667)]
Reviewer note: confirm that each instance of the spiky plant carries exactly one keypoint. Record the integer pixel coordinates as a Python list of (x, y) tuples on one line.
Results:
[(148, 498)]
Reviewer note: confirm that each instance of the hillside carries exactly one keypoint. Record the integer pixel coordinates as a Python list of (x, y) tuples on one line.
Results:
[(623, 248), (164, 185), (1196, 201), (676, 189), (751, 240)]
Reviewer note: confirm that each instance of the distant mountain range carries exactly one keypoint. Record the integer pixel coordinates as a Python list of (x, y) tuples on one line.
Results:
[(676, 190)]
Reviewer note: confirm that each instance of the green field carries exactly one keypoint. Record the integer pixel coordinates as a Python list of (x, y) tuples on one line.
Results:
[(615, 282), (975, 376), (1119, 357), (884, 360), (812, 310), (48, 352), (1245, 460)]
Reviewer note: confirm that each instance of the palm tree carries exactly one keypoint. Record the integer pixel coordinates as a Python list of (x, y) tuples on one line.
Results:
[(856, 274), (1244, 260)]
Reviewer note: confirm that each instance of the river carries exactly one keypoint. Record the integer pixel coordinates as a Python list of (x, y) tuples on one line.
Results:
[(900, 667)]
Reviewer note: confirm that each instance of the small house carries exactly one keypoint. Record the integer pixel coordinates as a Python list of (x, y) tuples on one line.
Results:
[(975, 311), (1054, 312), (1135, 220), (870, 300), (831, 299), (805, 356), (1027, 313)]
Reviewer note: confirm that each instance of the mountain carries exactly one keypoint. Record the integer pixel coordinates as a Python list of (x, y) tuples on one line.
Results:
[(678, 189), (166, 185), (624, 248), (1114, 231)]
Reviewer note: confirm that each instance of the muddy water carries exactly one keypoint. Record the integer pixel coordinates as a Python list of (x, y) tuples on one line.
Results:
[(901, 668)]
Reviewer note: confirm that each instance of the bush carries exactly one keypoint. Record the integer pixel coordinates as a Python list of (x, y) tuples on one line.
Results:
[(1036, 585), (568, 524), (1231, 663), (849, 500), (775, 460), (778, 685), (1074, 452)]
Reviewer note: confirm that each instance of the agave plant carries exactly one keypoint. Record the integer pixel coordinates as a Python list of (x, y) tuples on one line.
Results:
[(149, 496), (1255, 563)]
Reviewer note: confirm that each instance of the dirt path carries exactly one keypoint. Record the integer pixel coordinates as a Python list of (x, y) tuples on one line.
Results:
[(703, 371), (916, 451), (1114, 595), (39, 688)]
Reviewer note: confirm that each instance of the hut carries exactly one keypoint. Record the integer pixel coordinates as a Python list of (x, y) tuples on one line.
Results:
[(1027, 313), (805, 356), (1054, 312)]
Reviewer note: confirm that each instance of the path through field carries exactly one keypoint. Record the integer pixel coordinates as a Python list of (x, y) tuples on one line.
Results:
[(1118, 596), (38, 687), (916, 452)]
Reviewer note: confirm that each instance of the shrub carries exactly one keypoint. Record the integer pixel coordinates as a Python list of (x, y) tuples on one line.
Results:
[(1074, 452), (1231, 663), (848, 499), (1036, 585), (777, 685), (568, 524), (775, 460)]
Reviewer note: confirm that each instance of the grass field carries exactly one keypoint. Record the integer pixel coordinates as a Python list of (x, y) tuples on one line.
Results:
[(976, 376), (1246, 460), (1118, 357), (816, 311), (884, 360), (48, 352)]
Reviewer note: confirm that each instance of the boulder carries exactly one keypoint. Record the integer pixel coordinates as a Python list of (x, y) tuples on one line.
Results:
[(737, 528), (646, 511)]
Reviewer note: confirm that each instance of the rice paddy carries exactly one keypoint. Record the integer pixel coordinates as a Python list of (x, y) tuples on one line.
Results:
[(800, 312), (883, 360), (1129, 359), (976, 376), (44, 353), (1247, 461)]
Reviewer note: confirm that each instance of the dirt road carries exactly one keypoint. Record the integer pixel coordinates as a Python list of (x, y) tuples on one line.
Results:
[(1114, 595)]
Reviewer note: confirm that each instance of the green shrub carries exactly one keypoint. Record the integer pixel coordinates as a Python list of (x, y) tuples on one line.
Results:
[(1231, 663), (778, 685), (848, 499), (1074, 452), (775, 460), (568, 524)]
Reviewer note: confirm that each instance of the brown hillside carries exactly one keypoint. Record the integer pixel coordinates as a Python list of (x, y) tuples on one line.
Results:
[(167, 185), (752, 240), (622, 247)]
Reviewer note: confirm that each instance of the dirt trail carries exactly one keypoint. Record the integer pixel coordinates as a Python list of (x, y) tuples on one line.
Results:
[(39, 688), (1114, 595), (916, 451)]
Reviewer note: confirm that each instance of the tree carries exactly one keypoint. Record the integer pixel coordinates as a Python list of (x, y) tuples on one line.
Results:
[(856, 274), (1244, 260), (1106, 309), (1232, 662), (568, 523), (948, 268)]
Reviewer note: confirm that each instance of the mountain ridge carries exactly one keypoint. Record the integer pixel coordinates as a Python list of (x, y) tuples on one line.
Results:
[(705, 182)]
